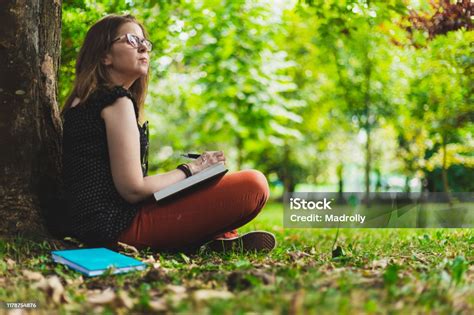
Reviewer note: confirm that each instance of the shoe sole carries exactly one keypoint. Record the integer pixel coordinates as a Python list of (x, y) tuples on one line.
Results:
[(248, 242)]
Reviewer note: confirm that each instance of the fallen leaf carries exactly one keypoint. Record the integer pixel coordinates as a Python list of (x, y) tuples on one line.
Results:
[(157, 274), (193, 265), (124, 299), (204, 294), (297, 255), (152, 261), (296, 302), (381, 263), (176, 289), (103, 297), (149, 259), (129, 248), (239, 280), (76, 281), (292, 237), (176, 293), (186, 259), (73, 241), (53, 287), (195, 284), (158, 305), (32, 275), (10, 264)]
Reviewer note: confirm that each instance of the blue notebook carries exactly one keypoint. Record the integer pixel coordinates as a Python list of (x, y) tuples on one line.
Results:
[(95, 261)]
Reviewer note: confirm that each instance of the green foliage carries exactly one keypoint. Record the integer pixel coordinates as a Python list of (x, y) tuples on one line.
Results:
[(295, 89)]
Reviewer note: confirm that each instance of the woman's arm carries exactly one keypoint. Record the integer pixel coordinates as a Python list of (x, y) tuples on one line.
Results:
[(124, 153)]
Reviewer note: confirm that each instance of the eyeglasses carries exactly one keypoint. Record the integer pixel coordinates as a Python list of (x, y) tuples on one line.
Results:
[(135, 41)]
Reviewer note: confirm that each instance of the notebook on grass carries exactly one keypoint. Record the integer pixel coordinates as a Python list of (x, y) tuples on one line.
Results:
[(95, 261), (205, 175)]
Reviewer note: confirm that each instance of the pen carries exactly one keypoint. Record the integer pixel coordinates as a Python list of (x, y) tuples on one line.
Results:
[(191, 155)]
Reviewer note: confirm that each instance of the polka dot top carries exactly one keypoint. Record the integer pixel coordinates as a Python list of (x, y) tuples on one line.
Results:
[(96, 212)]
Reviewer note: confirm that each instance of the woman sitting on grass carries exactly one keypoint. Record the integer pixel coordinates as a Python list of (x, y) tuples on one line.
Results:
[(109, 195)]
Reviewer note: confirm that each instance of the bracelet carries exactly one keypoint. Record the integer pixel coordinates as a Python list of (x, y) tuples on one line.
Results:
[(185, 169)]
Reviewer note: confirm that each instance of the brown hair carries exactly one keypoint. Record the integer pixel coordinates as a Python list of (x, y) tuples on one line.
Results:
[(91, 73)]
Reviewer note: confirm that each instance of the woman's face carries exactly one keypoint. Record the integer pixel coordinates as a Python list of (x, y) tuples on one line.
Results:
[(124, 61)]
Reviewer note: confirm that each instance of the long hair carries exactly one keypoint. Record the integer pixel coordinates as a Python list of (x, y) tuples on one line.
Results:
[(91, 73)]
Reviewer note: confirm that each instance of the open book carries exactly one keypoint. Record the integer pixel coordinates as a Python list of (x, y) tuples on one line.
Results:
[(205, 175)]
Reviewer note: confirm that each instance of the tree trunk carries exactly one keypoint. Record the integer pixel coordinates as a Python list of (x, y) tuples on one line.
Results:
[(378, 183), (287, 178), (407, 184), (444, 170), (239, 143), (368, 128), (368, 160), (30, 126), (340, 179)]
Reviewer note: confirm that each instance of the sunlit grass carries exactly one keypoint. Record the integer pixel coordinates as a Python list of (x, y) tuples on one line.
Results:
[(381, 270)]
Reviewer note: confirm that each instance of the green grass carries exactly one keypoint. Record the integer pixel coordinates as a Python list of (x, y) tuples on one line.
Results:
[(380, 271)]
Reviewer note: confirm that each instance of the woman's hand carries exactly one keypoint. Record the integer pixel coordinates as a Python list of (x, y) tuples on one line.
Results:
[(206, 159)]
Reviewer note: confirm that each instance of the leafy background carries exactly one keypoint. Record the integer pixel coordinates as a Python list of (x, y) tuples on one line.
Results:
[(331, 95), (317, 95)]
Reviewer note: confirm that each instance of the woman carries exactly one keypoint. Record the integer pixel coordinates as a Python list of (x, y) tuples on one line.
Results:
[(109, 195)]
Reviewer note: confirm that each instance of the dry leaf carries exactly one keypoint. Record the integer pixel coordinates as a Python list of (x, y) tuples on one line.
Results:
[(192, 265), (152, 261), (186, 259), (298, 255), (52, 286), (158, 305), (104, 297), (10, 264), (296, 302), (381, 263), (176, 289), (177, 293), (32, 275), (204, 294), (124, 299), (128, 248), (157, 274), (243, 280), (17, 311), (149, 259), (196, 284), (76, 281)]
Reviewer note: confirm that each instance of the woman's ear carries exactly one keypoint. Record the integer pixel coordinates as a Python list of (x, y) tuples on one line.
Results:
[(106, 60)]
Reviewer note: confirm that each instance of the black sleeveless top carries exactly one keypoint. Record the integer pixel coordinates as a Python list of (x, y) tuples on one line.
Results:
[(96, 213)]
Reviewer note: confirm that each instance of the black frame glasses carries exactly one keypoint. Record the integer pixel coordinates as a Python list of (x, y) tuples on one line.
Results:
[(135, 41)]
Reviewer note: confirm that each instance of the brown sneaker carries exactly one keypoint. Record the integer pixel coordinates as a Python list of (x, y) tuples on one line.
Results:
[(251, 241)]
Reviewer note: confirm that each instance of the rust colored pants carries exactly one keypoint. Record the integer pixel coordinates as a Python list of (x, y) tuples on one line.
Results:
[(213, 210)]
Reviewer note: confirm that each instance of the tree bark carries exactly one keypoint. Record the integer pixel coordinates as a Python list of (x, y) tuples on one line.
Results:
[(444, 169), (239, 143), (30, 125), (285, 175), (368, 147), (368, 161), (340, 179)]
